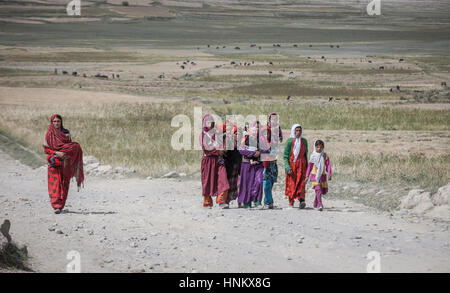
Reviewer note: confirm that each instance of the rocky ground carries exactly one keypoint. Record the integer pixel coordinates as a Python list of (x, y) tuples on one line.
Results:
[(158, 225)]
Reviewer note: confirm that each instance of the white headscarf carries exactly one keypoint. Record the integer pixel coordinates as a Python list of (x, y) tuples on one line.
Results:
[(297, 141), (318, 159)]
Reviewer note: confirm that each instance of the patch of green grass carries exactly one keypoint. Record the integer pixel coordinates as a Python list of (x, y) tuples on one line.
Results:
[(244, 78), (284, 88), (257, 57), (432, 63), (4, 72), (87, 56), (20, 150), (366, 71)]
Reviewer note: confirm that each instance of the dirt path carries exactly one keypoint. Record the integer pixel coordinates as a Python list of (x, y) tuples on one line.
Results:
[(137, 225)]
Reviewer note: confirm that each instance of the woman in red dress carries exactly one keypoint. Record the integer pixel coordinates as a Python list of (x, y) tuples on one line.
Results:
[(213, 170), (295, 162), (65, 160)]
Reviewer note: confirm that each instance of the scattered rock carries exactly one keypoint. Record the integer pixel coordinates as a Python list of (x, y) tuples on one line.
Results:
[(441, 212), (442, 196), (105, 169), (87, 160), (92, 167), (417, 200), (395, 250), (171, 174), (434, 206)]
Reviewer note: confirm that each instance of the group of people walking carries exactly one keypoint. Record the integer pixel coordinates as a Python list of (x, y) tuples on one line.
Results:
[(245, 166), (242, 167)]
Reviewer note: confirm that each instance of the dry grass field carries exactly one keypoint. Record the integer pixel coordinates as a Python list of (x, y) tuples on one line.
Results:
[(388, 120), (374, 88)]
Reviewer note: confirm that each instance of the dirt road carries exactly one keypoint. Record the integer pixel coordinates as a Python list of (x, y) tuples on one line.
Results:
[(159, 225)]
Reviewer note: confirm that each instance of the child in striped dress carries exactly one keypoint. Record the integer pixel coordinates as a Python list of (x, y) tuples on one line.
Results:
[(319, 163)]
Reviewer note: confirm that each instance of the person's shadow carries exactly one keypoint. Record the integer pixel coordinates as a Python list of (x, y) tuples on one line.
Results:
[(87, 213)]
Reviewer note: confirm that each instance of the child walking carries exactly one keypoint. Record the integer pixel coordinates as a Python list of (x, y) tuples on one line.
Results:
[(295, 164), (319, 163), (270, 173), (251, 175)]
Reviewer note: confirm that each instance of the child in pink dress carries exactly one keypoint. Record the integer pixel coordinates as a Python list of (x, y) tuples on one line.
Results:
[(319, 163)]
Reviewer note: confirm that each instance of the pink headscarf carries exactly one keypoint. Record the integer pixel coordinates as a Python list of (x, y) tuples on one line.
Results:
[(205, 118)]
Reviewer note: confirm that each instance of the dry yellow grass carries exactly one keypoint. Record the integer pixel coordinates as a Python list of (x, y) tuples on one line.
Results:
[(138, 135)]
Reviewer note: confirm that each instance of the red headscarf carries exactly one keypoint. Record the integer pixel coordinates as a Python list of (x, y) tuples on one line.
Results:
[(57, 140)]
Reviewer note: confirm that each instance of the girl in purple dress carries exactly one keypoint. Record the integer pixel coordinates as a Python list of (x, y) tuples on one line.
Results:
[(251, 179)]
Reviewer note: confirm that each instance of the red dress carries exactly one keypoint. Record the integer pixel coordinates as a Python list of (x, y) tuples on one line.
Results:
[(214, 176), (295, 183), (58, 184)]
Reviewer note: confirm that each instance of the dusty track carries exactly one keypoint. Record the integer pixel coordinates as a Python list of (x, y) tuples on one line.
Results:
[(159, 226)]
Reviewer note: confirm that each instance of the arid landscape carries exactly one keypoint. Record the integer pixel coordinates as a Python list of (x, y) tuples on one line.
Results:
[(374, 88)]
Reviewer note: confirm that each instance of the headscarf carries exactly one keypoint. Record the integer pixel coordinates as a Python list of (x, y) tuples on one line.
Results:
[(318, 159), (228, 134), (57, 140), (207, 117), (297, 141), (268, 131), (273, 144), (253, 131), (209, 132)]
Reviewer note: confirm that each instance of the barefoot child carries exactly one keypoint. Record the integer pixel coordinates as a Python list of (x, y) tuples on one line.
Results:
[(319, 163)]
